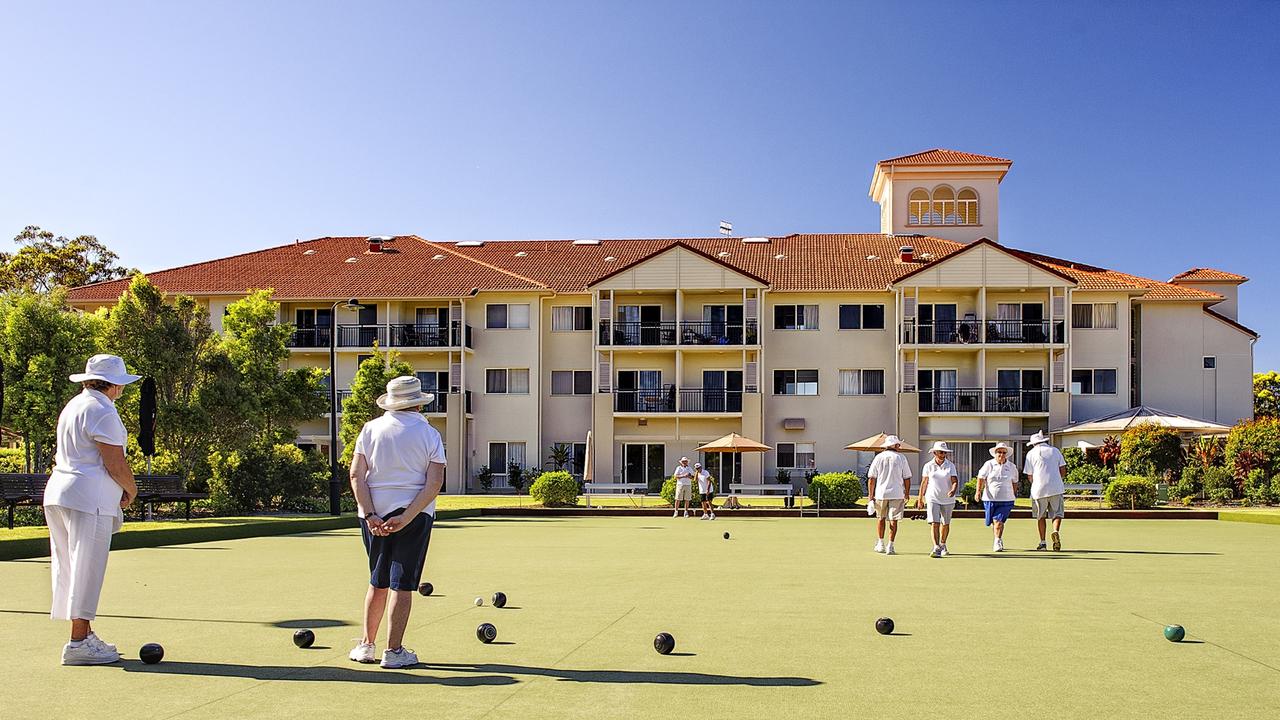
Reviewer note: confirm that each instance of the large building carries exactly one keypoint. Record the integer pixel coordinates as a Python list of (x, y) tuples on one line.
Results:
[(930, 328)]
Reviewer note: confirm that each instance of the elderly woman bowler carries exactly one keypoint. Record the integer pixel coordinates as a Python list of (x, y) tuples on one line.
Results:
[(90, 485), (397, 470)]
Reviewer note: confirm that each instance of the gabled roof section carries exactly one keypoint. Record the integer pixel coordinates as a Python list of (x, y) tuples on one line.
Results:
[(942, 156), (669, 248), (987, 242), (1219, 316), (1208, 275), (1091, 277)]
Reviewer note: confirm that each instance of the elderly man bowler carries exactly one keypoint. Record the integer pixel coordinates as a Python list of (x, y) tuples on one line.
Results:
[(1045, 467), (888, 485)]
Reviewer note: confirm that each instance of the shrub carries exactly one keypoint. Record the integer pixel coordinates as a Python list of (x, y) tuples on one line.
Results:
[(969, 492), (262, 477), (1132, 492), (1074, 457), (1254, 444), (1221, 496), (236, 483), (1218, 478), (12, 460), (1275, 489), (1088, 474), (839, 489), (655, 485), (555, 489), (1257, 488), (515, 477), (1109, 452), (783, 476), (1151, 449), (669, 492), (1191, 481), (484, 476)]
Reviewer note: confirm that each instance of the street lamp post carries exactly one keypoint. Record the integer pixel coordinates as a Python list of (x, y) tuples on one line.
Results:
[(335, 482)]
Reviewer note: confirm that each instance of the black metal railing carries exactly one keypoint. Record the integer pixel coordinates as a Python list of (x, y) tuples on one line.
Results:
[(645, 401), (1024, 331), (959, 332), (438, 404), (702, 332), (422, 336), (637, 333), (398, 335), (956, 400), (1017, 401), (710, 400), (942, 332), (309, 337), (362, 335)]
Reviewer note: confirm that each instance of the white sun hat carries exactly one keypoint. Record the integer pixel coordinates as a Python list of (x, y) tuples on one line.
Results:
[(1000, 446), (1038, 438), (890, 441), (404, 392), (105, 367), (940, 446), (684, 459)]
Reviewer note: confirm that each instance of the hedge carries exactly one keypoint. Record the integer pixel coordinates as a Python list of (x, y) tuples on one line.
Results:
[(669, 493), (839, 489), (1131, 492), (555, 489)]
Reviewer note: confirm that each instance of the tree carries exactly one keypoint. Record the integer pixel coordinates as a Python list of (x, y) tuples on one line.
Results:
[(41, 343), (45, 261), (1151, 449), (1254, 444), (1266, 394), (367, 386)]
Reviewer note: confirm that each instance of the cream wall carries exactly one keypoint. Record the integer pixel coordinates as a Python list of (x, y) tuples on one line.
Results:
[(565, 418), (1102, 348), (1175, 339), (499, 417), (986, 184), (1229, 291)]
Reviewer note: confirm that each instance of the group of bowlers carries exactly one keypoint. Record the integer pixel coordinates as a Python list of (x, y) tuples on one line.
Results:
[(889, 487), (685, 477)]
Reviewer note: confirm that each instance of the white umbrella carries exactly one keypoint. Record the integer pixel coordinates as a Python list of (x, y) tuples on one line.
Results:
[(1117, 423)]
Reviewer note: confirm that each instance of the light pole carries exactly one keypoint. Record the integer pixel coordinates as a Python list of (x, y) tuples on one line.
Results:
[(335, 482)]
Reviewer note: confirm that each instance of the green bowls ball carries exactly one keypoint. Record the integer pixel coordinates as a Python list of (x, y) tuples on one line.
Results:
[(1174, 633)]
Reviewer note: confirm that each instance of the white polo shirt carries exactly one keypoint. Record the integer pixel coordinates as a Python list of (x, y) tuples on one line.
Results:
[(704, 481), (684, 474), (398, 447), (889, 469), (1043, 463), (1000, 478), (939, 479), (80, 480)]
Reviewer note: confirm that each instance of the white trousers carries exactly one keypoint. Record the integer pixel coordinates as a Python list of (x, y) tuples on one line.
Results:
[(79, 543)]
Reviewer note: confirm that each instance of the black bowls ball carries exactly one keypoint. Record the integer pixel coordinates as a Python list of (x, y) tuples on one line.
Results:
[(664, 643), (425, 589), (486, 633), (151, 653), (304, 638), (884, 626), (499, 599)]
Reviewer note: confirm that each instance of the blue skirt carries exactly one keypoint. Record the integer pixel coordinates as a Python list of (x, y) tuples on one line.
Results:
[(997, 510)]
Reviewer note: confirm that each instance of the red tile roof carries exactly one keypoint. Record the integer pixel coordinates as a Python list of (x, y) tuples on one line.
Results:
[(1208, 275), (418, 268), (941, 156)]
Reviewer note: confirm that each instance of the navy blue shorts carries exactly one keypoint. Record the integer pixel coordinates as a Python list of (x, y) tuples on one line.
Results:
[(997, 510), (396, 560)]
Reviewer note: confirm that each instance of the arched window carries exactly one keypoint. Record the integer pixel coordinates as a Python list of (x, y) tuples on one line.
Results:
[(967, 206), (944, 207), (918, 207)]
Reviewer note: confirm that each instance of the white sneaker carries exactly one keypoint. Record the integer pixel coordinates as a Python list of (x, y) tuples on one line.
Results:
[(704, 517), (686, 513), (402, 658), (936, 552), (1042, 546), (999, 546), (88, 653), (713, 516), (995, 545), (93, 638), (364, 652), (675, 513), (879, 546), (942, 551), (888, 549)]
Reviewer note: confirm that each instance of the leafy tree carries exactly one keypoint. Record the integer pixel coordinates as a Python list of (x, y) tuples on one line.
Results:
[(1109, 452), (1147, 448), (1266, 394), (367, 386), (1254, 444), (45, 261), (41, 343), (561, 454)]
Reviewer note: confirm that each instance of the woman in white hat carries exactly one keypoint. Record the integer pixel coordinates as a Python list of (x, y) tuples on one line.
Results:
[(89, 487), (397, 470), (997, 484), (938, 486)]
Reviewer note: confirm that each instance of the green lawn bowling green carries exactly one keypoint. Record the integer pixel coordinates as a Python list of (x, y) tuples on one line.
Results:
[(777, 622)]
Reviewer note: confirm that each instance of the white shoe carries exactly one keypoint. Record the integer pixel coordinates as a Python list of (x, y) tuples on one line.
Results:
[(995, 546), (88, 653), (675, 513), (936, 552), (686, 513), (1042, 546), (879, 546), (402, 658), (999, 545), (364, 652), (93, 638), (888, 549), (942, 551), (704, 517), (713, 516)]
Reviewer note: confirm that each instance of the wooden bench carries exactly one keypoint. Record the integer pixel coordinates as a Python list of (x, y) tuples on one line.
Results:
[(764, 490), (1086, 491), (601, 488), (166, 488), (21, 489)]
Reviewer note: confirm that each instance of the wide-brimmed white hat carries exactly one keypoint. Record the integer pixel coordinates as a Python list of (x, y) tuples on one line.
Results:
[(697, 465), (1000, 446), (404, 392), (890, 441), (105, 367), (940, 446), (1038, 438), (684, 459)]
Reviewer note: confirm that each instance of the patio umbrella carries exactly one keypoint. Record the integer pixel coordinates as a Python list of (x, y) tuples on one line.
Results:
[(588, 473), (875, 443), (1117, 423), (734, 443)]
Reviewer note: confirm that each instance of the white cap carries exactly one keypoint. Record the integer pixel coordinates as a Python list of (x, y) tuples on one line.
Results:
[(105, 367)]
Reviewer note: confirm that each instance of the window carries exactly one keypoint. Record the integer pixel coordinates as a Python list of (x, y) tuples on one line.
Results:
[(499, 316), (310, 318), (568, 318), (502, 455), (796, 456), (643, 462), (507, 381), (795, 382), (795, 317), (1210, 362), (918, 207), (862, 382), (578, 457), (570, 382), (861, 317), (944, 206), (1093, 382), (1093, 315), (967, 206)]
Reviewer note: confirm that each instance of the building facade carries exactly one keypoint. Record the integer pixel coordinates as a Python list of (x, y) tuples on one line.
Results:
[(930, 328)]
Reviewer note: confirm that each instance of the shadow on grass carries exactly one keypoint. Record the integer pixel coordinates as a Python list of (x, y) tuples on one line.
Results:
[(1133, 552), (187, 547), (320, 673), (285, 624), (308, 624), (1029, 555), (628, 676)]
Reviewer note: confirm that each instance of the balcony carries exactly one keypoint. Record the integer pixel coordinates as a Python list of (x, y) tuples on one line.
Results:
[(669, 399), (1024, 331), (657, 400), (974, 400), (637, 333), (718, 333), (998, 332), (399, 335), (669, 332), (710, 400)]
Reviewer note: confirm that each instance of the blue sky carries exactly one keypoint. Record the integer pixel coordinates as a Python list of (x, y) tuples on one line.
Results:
[(1144, 136)]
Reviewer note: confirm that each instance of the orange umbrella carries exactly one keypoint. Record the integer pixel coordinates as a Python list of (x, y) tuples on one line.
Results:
[(734, 443), (875, 443)]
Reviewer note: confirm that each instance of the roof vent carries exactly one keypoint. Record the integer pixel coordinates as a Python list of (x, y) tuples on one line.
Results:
[(873, 257), (522, 254), (779, 256), (722, 253), (926, 256), (471, 243), (350, 260), (377, 241), (437, 256), (586, 242), (309, 251), (907, 253), (610, 259), (755, 240)]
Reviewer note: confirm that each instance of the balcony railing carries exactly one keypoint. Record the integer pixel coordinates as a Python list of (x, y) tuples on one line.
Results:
[(957, 400), (710, 400), (661, 400), (1017, 401), (961, 332), (399, 335), (972, 400), (637, 333), (718, 333)]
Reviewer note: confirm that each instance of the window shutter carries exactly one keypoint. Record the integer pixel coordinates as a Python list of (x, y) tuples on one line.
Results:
[(1059, 308), (455, 312), (909, 308), (1059, 372), (750, 311), (908, 376), (455, 377), (606, 374), (751, 377)]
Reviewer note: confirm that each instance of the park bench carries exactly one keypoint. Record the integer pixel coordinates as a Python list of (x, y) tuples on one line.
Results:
[(763, 490), (601, 488), (21, 489), (166, 488), (1085, 491)]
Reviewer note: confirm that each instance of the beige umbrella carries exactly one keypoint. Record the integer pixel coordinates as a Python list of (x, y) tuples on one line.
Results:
[(734, 443), (875, 443), (588, 473)]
